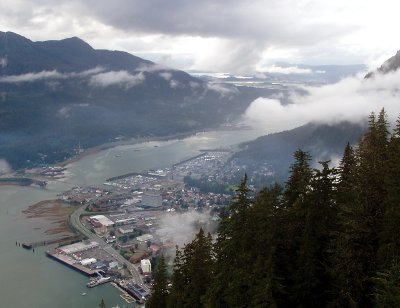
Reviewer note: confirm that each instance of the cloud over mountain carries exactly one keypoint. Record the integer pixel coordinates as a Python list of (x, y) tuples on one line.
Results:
[(351, 99), (120, 78), (189, 34)]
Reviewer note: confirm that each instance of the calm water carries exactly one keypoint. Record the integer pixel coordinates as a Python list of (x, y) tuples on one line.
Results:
[(32, 280)]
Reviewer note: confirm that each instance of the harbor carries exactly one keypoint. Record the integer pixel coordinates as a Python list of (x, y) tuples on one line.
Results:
[(41, 275)]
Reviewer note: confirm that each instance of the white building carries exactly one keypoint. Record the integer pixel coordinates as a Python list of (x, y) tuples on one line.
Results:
[(125, 230), (101, 220), (145, 265), (144, 238), (88, 261)]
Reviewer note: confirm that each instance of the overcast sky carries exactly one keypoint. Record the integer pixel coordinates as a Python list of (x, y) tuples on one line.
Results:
[(237, 36)]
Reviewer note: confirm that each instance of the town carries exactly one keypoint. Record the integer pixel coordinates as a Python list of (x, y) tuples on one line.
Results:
[(122, 221)]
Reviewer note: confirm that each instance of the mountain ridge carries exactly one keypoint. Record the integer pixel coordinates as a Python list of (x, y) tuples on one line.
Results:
[(56, 94)]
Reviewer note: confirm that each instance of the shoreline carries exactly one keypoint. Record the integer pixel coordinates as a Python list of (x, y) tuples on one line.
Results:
[(133, 141), (114, 144)]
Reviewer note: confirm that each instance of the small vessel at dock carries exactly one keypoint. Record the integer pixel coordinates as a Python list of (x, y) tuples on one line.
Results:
[(27, 246), (98, 281)]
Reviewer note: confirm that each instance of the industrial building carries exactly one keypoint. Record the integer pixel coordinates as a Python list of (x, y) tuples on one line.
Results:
[(99, 221), (77, 247)]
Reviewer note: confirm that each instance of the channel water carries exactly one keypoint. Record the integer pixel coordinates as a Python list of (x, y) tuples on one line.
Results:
[(30, 279)]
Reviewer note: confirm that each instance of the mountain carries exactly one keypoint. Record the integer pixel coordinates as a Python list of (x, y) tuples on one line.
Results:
[(322, 141), (55, 95), (390, 65)]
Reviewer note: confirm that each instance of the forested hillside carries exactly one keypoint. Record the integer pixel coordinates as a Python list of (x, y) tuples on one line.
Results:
[(56, 95), (327, 238)]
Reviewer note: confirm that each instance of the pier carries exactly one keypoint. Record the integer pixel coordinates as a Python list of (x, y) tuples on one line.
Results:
[(70, 262), (65, 239)]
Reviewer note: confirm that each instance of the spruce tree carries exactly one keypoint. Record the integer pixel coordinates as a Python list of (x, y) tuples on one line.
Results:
[(159, 293), (390, 240), (312, 276), (268, 251), (232, 268)]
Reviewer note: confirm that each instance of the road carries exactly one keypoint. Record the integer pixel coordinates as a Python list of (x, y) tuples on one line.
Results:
[(77, 224)]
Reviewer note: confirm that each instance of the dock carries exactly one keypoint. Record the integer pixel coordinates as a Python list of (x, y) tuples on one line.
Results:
[(53, 241), (72, 263)]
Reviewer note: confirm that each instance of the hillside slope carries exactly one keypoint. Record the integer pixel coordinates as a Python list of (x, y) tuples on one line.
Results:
[(56, 94)]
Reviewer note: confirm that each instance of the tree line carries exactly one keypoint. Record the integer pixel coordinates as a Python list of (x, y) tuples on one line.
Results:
[(329, 237)]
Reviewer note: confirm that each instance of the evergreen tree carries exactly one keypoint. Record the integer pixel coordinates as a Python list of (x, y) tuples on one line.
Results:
[(268, 250), (347, 275), (176, 297), (312, 276), (232, 270), (300, 176), (390, 241), (102, 305), (387, 286), (159, 294)]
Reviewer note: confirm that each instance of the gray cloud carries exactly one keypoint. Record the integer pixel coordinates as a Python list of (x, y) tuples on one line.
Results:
[(351, 99), (166, 75), (120, 78), (48, 75), (3, 62), (209, 18), (181, 228), (236, 37), (223, 90), (31, 77), (4, 166)]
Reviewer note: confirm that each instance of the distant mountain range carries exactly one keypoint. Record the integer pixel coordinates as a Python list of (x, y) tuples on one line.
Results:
[(55, 95)]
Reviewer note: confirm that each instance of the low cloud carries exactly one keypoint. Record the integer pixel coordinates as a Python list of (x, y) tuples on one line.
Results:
[(3, 62), (31, 77), (223, 90), (151, 67), (4, 166), (119, 78), (182, 228), (167, 76), (64, 112), (48, 75), (287, 70), (351, 99)]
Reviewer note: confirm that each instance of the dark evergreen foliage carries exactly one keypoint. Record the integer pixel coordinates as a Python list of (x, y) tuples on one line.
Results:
[(329, 238)]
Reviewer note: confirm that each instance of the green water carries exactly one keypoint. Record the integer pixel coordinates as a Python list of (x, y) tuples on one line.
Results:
[(31, 279)]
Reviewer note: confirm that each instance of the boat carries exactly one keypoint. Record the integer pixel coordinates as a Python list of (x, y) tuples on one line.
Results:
[(27, 246), (98, 281), (118, 155), (83, 294)]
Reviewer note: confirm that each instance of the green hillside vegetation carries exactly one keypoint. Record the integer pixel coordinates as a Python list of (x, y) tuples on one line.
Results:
[(55, 95), (322, 141), (327, 238)]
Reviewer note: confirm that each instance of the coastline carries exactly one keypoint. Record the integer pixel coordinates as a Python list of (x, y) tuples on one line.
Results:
[(133, 141), (113, 144), (130, 141)]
